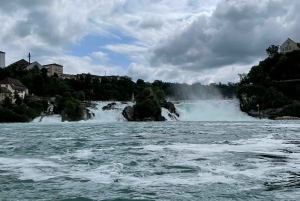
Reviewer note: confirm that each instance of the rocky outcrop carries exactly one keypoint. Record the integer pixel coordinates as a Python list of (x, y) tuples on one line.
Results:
[(170, 107), (87, 114), (109, 106), (148, 107), (128, 113)]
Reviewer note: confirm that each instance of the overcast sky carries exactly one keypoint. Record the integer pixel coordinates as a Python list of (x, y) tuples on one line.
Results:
[(184, 41)]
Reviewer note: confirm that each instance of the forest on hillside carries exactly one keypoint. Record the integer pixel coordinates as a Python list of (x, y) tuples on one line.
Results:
[(273, 83), (87, 88)]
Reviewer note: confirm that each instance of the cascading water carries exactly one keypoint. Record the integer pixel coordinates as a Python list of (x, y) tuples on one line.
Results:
[(201, 110), (47, 119), (111, 115), (211, 110)]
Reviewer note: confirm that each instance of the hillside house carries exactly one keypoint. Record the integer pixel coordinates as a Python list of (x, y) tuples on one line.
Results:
[(22, 63), (54, 68), (26, 65), (8, 87), (4, 92), (30, 66), (288, 46)]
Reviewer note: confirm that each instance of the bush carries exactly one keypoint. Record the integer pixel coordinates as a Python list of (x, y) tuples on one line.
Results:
[(149, 108), (7, 102), (7, 115)]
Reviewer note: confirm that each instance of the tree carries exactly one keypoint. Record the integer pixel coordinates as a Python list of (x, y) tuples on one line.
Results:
[(272, 50), (7, 102), (244, 79), (17, 98), (44, 72)]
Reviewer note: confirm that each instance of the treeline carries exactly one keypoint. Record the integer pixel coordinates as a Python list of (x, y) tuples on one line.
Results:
[(70, 92), (265, 84), (89, 88), (25, 111)]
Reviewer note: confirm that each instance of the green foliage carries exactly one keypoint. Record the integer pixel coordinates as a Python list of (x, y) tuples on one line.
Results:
[(69, 108), (44, 73), (7, 115), (21, 113), (7, 102), (274, 99), (292, 110), (160, 94), (265, 82), (17, 98), (149, 108), (81, 95), (272, 50)]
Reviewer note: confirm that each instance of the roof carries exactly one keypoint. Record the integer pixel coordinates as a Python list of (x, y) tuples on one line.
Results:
[(2, 52), (21, 62), (16, 84), (53, 64)]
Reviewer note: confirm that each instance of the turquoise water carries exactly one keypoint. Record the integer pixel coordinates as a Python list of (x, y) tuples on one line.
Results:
[(150, 161)]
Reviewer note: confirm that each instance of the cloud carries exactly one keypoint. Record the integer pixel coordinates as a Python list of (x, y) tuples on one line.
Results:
[(151, 22), (74, 65), (100, 55), (236, 33), (178, 41)]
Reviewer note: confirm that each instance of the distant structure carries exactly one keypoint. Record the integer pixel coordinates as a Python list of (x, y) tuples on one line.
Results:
[(26, 65), (288, 46), (2, 59), (29, 56), (9, 86), (54, 68), (33, 64), (99, 77), (23, 63)]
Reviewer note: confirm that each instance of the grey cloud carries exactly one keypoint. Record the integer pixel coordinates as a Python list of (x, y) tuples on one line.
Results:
[(44, 20), (238, 32), (151, 21), (10, 6)]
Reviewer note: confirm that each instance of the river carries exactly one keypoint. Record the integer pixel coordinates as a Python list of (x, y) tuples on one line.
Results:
[(238, 158)]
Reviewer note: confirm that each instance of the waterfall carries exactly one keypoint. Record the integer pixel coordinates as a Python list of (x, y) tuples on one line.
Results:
[(201, 110), (211, 110)]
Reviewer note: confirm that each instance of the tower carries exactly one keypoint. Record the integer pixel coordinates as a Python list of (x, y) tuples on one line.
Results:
[(29, 56), (2, 59)]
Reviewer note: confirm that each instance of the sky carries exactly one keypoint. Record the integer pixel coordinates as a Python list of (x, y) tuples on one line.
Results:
[(184, 41)]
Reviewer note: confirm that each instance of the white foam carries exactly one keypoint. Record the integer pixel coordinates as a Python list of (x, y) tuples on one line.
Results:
[(48, 119), (114, 115), (30, 168), (211, 110), (168, 116)]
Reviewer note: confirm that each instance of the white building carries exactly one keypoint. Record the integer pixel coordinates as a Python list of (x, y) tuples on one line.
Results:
[(54, 68), (8, 86), (31, 65), (2, 59), (288, 46)]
